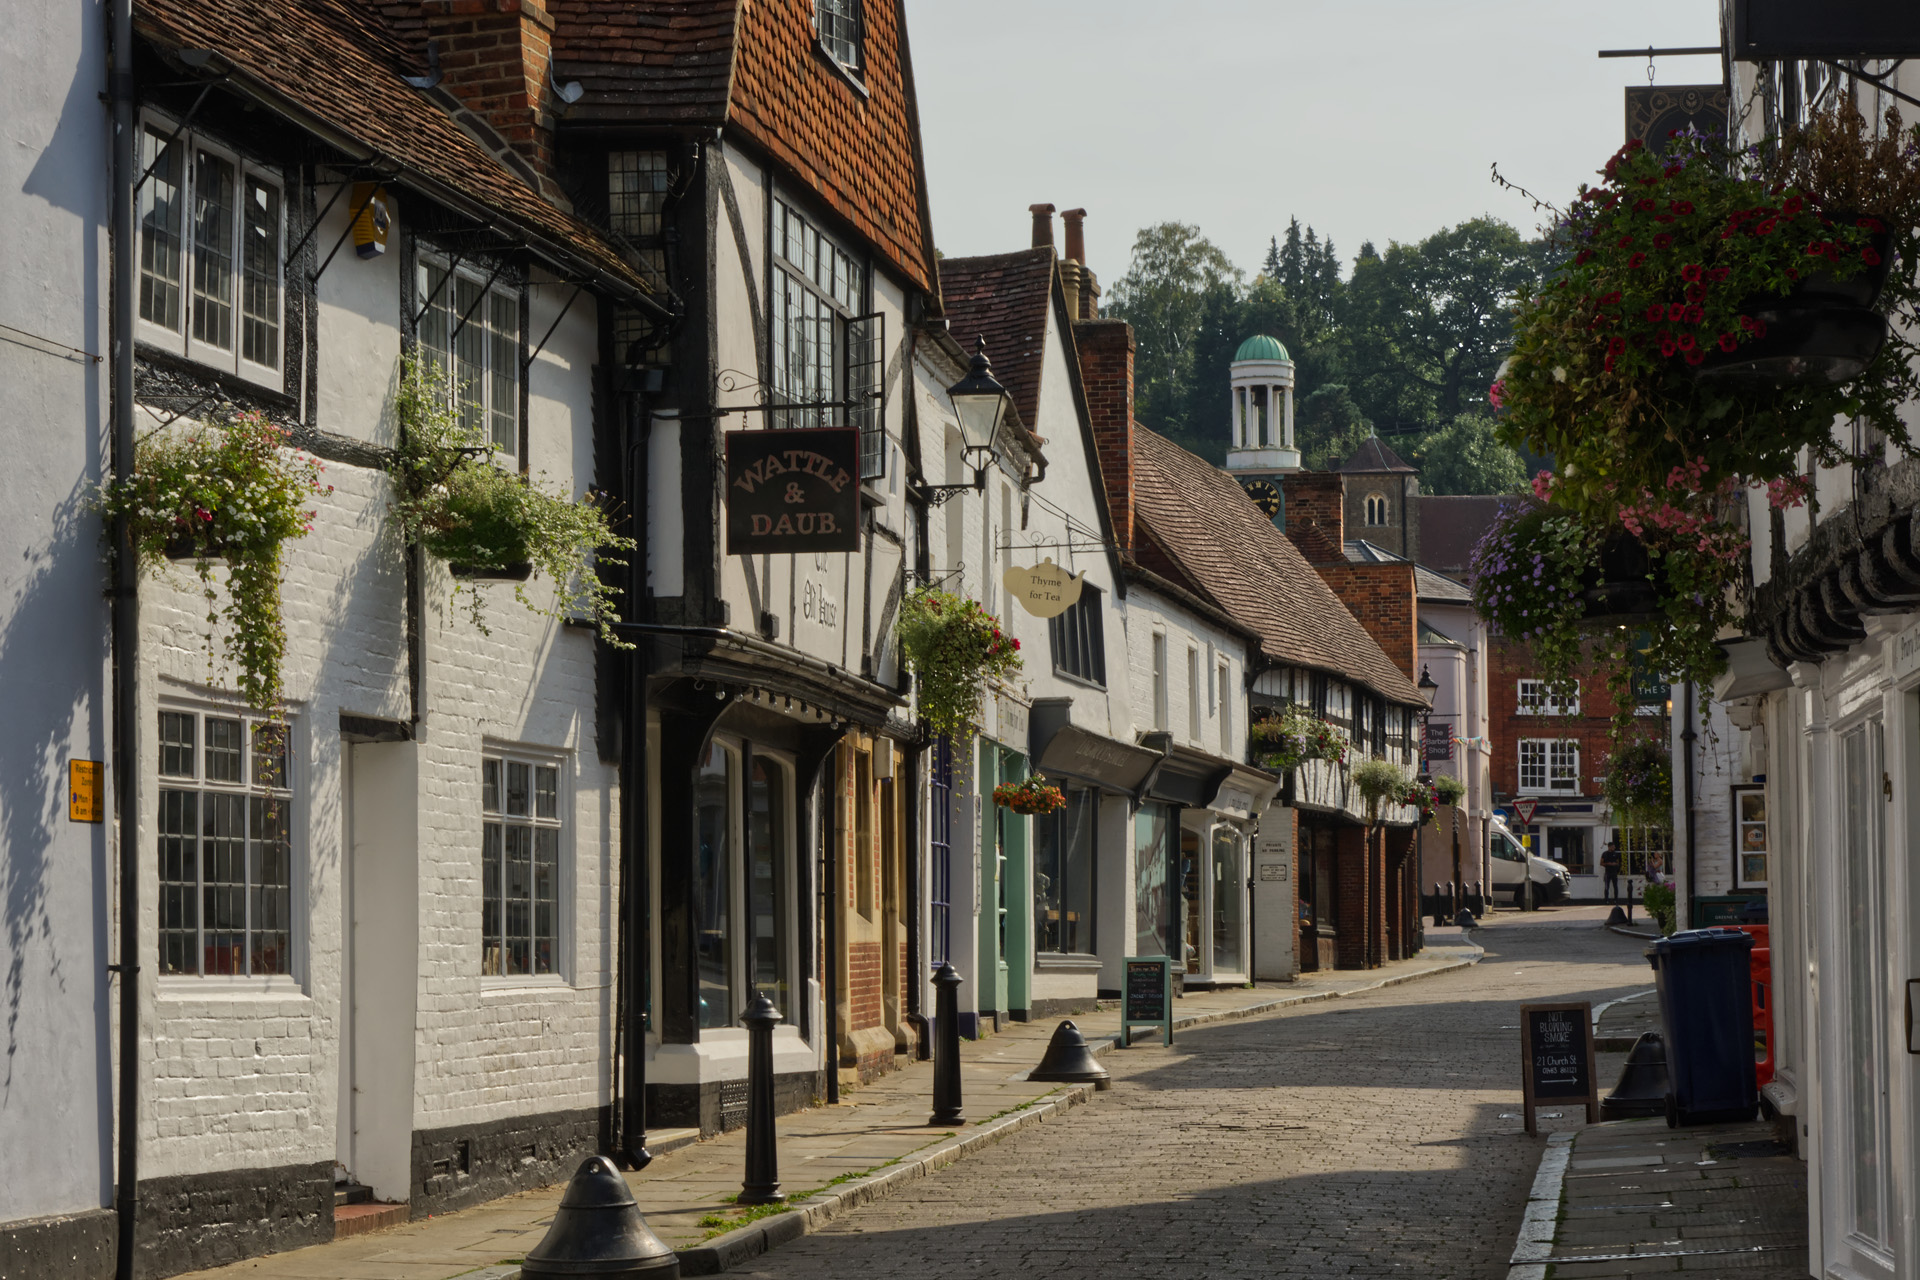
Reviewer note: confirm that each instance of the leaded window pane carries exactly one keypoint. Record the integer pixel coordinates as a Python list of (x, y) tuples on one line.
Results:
[(503, 371), (492, 904), (161, 247), (179, 881), (224, 882), (213, 217), (176, 745), (260, 292), (224, 751), (520, 868), (518, 893), (546, 896)]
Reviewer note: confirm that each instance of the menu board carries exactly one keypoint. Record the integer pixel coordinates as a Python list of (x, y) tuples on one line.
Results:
[(1147, 997), (1556, 1044)]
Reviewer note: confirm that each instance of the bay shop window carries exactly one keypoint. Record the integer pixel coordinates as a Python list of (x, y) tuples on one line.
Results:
[(1063, 843), (743, 898)]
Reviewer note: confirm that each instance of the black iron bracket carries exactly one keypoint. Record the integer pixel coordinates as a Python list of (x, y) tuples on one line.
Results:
[(181, 128), (527, 363), (935, 494), (1877, 82), (433, 297), (498, 267)]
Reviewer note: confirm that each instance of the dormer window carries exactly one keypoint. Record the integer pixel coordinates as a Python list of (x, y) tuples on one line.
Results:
[(212, 231), (841, 31)]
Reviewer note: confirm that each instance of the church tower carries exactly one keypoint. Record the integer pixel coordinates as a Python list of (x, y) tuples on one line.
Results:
[(1260, 449)]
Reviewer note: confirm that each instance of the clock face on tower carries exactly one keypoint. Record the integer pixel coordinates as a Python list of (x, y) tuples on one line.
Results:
[(1265, 495)]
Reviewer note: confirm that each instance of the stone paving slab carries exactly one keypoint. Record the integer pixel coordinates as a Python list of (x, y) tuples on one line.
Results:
[(1635, 1198), (874, 1141)]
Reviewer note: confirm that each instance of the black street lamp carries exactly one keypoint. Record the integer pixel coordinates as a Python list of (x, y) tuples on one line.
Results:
[(1428, 687), (980, 402)]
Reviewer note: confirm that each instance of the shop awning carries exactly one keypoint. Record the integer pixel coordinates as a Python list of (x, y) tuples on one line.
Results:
[(1198, 780), (1061, 748)]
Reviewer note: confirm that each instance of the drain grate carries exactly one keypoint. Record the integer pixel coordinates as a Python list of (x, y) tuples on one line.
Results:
[(733, 1104)]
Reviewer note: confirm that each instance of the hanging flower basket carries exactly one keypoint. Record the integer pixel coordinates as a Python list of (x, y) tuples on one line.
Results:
[(952, 646), (1639, 785), (1448, 789), (1031, 795), (518, 571), (1380, 782), (490, 525), (1718, 309), (1422, 795), (232, 494), (1283, 743)]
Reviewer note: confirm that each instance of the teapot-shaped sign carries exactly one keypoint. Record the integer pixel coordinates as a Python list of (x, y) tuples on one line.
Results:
[(1044, 590)]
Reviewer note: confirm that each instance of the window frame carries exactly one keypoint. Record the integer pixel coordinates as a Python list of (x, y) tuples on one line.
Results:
[(1224, 706), (290, 978), (856, 364), (561, 943), (179, 341), (1055, 823), (496, 284), (1375, 502), (1534, 697), (1088, 639), (855, 16), (1548, 769)]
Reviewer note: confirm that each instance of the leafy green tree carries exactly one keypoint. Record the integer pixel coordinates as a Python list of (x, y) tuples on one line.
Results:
[(1163, 293), (1425, 326), (1466, 456), (1327, 424)]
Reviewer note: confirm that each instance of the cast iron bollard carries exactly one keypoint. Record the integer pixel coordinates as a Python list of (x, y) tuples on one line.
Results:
[(598, 1231), (946, 1048), (762, 1185)]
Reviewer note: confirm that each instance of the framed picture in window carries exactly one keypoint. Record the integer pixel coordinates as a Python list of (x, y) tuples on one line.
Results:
[(1750, 837)]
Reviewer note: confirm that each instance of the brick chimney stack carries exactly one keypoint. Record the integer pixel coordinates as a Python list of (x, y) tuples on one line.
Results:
[(1316, 515), (1106, 370), (495, 56), (1042, 225)]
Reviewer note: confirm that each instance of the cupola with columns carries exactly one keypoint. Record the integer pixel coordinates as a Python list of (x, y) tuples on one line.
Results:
[(1260, 448)]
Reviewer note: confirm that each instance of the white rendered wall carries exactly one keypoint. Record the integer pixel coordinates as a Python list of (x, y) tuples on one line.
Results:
[(56, 1081)]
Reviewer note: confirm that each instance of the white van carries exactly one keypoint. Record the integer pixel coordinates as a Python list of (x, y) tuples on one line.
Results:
[(1512, 864)]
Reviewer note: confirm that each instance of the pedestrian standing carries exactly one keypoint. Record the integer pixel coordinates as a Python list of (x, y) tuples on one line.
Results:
[(1610, 869)]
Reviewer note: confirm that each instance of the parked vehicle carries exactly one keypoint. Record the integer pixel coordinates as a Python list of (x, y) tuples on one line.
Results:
[(1513, 865)]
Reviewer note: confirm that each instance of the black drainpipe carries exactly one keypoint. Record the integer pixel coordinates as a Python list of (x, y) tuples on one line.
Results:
[(126, 636), (636, 862), (1687, 736)]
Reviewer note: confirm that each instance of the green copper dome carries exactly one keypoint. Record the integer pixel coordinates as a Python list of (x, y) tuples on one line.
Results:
[(1261, 347)]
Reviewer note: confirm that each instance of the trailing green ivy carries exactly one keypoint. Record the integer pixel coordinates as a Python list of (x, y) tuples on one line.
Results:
[(452, 500)]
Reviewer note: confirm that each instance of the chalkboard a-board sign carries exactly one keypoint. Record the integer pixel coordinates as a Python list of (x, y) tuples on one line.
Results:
[(1556, 1044), (1147, 997)]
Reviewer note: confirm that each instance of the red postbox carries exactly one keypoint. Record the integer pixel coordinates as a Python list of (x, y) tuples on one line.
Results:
[(1762, 970)]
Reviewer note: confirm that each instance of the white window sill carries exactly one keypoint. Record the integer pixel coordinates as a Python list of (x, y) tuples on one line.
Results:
[(516, 988), (184, 987)]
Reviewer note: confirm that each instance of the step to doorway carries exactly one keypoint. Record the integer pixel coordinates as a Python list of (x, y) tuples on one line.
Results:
[(358, 1219), (345, 1193)]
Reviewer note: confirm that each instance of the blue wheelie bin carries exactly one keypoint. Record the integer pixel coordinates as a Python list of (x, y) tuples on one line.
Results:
[(1706, 1008)]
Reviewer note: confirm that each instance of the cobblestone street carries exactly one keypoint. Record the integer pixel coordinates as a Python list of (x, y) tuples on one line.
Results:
[(1372, 1136)]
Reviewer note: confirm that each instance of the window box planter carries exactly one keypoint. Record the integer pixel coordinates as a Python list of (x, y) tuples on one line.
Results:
[(181, 550)]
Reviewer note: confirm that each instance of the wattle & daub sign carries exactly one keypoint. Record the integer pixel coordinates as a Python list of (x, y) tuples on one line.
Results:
[(793, 491)]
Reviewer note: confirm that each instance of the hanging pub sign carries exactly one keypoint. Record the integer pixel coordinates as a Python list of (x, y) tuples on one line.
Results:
[(791, 492), (1655, 113), (1046, 590)]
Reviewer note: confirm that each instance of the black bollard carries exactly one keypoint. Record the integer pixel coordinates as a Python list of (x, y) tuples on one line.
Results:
[(762, 1185), (1069, 1058), (598, 1231), (1629, 899), (946, 1048)]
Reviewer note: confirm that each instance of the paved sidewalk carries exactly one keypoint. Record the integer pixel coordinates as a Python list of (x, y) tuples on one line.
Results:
[(831, 1158), (1635, 1198)]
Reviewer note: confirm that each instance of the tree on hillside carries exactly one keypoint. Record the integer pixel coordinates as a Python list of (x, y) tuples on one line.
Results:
[(1327, 424), (1173, 269), (1425, 326), (1466, 456)]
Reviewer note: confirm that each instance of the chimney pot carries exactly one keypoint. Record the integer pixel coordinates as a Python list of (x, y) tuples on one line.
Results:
[(1042, 225), (1076, 235)]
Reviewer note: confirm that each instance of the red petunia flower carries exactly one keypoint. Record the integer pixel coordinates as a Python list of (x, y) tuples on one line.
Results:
[(1766, 227), (1644, 204), (1719, 273), (1676, 311), (1696, 292), (1611, 299), (1691, 271), (1695, 357), (1687, 342), (1623, 242), (1816, 249), (1793, 207), (1748, 323), (1607, 364), (1616, 346), (1870, 256), (1728, 342), (1695, 314), (1682, 207), (1656, 313), (1869, 224), (1637, 261), (1668, 347), (1663, 241), (1580, 258)]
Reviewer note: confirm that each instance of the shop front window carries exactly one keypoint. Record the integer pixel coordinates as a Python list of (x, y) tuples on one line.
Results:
[(1150, 854), (1229, 899), (713, 794), (1063, 876), (767, 881)]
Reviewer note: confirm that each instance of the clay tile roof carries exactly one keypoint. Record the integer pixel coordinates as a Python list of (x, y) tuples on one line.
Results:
[(338, 62), (1223, 543), (758, 67), (1373, 457), (1003, 298)]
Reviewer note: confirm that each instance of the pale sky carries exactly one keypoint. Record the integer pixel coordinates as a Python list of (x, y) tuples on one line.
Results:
[(1369, 119)]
